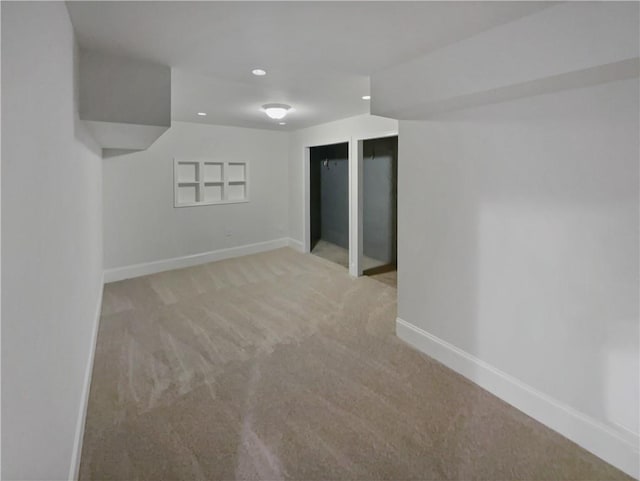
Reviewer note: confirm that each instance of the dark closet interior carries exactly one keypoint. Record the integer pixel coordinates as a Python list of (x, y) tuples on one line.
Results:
[(380, 196), (329, 201), (329, 204)]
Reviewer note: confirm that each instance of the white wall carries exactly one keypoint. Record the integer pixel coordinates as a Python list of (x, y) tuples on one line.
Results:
[(125, 102), (140, 222), (120, 89), (52, 243), (141, 225), (518, 244), (329, 133)]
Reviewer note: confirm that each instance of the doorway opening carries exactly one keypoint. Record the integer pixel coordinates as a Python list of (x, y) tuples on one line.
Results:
[(329, 202), (380, 208)]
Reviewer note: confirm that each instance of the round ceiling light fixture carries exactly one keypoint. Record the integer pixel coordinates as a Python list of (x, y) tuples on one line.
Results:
[(202, 114), (366, 97), (276, 111), (258, 72)]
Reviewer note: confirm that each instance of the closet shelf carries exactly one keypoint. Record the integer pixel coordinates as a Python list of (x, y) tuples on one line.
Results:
[(206, 182)]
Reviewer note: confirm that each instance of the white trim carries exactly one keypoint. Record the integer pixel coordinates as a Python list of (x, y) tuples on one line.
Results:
[(619, 448), (355, 208), (74, 468), (306, 187), (380, 135), (296, 244), (146, 268)]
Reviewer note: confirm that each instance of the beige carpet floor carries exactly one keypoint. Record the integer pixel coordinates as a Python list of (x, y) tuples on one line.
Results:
[(340, 255), (390, 278), (281, 366)]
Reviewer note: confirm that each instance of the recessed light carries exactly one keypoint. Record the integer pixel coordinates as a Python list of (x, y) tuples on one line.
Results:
[(202, 114), (366, 97), (258, 72), (276, 111), (282, 123)]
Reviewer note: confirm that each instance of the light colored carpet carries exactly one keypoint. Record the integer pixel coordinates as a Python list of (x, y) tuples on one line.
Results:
[(340, 255), (390, 278), (281, 366)]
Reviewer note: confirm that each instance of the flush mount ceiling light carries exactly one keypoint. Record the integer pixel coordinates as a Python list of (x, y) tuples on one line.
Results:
[(258, 72), (282, 123), (202, 114), (276, 111), (366, 97)]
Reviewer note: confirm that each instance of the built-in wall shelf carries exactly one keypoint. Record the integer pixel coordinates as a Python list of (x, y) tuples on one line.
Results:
[(207, 182)]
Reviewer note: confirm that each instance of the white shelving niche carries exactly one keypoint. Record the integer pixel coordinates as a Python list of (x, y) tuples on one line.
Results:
[(207, 182)]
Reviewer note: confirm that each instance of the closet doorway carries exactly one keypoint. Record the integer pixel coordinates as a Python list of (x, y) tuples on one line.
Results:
[(329, 202), (380, 208)]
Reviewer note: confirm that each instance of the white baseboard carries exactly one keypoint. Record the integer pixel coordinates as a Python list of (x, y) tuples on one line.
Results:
[(296, 244), (619, 448), (84, 400), (144, 269)]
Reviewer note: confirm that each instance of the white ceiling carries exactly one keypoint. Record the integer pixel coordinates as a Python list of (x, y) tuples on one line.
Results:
[(318, 55)]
